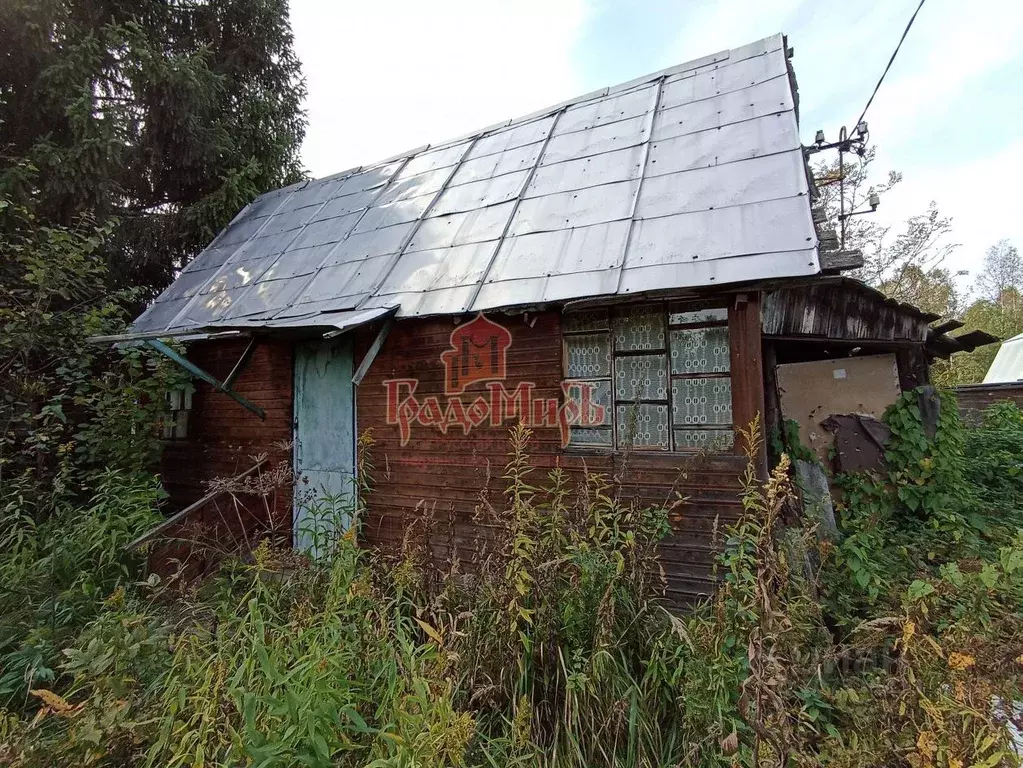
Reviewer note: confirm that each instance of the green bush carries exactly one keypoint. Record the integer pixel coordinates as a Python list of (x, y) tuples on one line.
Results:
[(552, 648), (57, 573)]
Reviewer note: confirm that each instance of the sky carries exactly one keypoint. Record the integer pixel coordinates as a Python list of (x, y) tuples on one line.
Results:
[(391, 75)]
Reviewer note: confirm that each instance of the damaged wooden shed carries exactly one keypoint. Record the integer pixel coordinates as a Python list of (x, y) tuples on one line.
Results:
[(627, 273)]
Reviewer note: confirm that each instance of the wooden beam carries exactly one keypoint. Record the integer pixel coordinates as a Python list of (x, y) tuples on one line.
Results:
[(912, 366), (371, 353), (178, 517), (242, 362), (199, 373), (180, 335), (835, 261), (744, 330)]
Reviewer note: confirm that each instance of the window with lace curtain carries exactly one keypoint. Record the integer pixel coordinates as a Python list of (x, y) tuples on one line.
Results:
[(661, 371)]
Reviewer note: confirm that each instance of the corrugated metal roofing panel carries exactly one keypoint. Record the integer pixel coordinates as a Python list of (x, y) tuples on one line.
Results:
[(689, 176)]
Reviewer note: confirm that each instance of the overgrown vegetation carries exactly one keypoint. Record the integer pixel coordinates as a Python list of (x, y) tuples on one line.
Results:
[(900, 643)]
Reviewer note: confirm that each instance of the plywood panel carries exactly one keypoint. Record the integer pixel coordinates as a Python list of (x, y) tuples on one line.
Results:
[(811, 392)]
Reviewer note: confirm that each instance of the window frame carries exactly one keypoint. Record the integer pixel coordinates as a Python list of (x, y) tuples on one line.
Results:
[(665, 308), (176, 426)]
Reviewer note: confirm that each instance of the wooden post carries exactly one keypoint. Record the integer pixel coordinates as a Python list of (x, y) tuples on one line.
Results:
[(913, 369), (744, 330)]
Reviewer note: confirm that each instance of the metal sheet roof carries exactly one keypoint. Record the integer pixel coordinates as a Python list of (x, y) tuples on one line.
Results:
[(689, 177)]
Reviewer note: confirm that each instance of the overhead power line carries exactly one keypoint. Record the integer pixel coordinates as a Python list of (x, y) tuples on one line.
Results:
[(890, 61)]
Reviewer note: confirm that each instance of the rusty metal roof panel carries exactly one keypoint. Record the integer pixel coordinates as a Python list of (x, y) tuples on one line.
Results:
[(692, 176)]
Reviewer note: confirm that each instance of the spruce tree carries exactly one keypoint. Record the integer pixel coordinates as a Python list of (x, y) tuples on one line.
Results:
[(166, 116)]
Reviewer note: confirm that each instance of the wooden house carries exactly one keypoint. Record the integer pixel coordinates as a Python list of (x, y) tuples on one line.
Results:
[(628, 273)]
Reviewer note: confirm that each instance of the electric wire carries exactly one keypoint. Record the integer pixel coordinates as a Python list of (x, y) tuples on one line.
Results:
[(890, 61)]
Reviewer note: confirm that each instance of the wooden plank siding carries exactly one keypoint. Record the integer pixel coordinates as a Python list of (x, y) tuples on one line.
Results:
[(441, 477), (842, 311), (224, 438)]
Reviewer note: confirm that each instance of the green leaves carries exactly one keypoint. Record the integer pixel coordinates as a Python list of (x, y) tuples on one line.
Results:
[(167, 116)]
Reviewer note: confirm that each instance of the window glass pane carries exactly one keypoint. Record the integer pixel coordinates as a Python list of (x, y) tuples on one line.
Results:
[(596, 397), (181, 424), (681, 316), (594, 320), (701, 401), (642, 377), (599, 437), (588, 356), (639, 328), (700, 350), (704, 439), (642, 426)]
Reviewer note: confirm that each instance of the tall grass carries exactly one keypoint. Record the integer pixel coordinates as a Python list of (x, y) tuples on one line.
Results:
[(552, 648)]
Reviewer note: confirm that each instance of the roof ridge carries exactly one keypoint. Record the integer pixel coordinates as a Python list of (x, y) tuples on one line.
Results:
[(719, 57)]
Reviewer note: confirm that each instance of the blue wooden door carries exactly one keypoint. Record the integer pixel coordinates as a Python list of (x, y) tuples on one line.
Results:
[(324, 451)]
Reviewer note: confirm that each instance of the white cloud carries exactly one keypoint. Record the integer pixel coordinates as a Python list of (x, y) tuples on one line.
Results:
[(388, 76)]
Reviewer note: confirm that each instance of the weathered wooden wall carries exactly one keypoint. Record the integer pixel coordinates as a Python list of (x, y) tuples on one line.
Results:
[(843, 311), (443, 474), (223, 437), (974, 398)]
